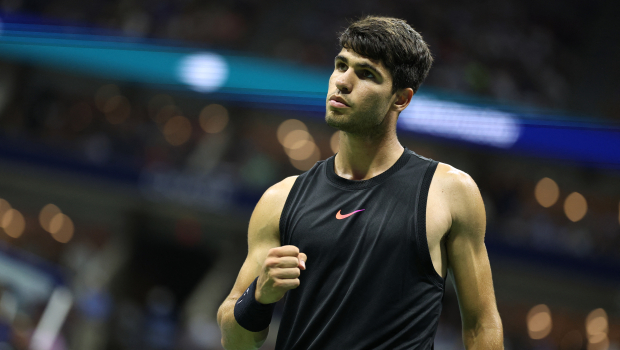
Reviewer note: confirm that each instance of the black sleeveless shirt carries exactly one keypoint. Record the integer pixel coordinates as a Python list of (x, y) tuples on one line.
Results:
[(370, 283)]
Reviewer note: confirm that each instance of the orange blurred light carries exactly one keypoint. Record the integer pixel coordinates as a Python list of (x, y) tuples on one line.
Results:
[(177, 130), (306, 150), (61, 228), (47, 214), (13, 223), (4, 207), (296, 139), (334, 142), (603, 344), (213, 118), (597, 325), (307, 163), (539, 321), (575, 206), (547, 192), (289, 125)]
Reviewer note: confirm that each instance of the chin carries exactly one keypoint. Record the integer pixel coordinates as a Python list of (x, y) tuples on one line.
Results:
[(335, 120)]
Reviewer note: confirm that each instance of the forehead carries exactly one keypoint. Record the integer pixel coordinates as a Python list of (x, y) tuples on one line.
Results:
[(354, 58)]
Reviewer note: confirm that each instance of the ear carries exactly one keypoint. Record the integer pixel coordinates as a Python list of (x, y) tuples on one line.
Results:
[(403, 98)]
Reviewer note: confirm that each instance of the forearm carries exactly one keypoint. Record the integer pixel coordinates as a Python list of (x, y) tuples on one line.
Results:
[(235, 337), (484, 336)]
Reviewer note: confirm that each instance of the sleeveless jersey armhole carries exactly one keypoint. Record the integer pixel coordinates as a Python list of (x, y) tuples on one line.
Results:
[(282, 225), (423, 250)]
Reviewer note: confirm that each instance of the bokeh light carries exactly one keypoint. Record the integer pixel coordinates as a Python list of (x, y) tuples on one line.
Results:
[(547, 192), (289, 125), (296, 139), (307, 163), (117, 109), (61, 228), (298, 144), (13, 223), (307, 149), (539, 321), (575, 206), (334, 142), (47, 214), (597, 326), (177, 130), (601, 345), (572, 340), (4, 207), (213, 118)]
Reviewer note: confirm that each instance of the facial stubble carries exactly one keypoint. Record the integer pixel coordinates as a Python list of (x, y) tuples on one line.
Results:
[(359, 124)]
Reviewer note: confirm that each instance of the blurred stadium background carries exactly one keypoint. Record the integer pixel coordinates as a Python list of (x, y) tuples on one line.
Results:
[(137, 136)]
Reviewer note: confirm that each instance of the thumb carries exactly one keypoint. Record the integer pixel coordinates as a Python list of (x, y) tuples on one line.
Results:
[(302, 260)]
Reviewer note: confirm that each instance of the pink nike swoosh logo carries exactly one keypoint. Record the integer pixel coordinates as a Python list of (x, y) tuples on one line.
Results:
[(340, 216)]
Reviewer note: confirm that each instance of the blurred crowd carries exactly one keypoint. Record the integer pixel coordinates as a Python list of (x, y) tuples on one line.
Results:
[(158, 137), (516, 51)]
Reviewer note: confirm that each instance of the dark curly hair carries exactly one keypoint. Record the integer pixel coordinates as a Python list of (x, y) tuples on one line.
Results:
[(393, 42)]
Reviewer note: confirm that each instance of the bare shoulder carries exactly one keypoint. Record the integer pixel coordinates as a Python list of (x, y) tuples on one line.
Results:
[(277, 194), (454, 181), (461, 192), (266, 216)]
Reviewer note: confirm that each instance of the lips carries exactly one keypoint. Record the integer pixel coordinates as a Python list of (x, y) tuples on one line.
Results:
[(338, 102)]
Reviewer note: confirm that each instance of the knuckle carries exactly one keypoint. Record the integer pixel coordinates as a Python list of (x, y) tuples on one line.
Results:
[(292, 262), (292, 249), (275, 251)]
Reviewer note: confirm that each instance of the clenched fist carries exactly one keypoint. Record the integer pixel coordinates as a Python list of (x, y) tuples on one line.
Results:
[(279, 273)]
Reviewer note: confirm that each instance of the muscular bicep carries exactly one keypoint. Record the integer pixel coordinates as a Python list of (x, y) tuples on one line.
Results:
[(263, 234), (467, 255)]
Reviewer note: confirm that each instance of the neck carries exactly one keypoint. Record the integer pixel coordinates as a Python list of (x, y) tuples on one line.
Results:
[(364, 157)]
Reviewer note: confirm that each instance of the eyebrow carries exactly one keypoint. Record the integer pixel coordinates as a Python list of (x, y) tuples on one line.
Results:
[(361, 65)]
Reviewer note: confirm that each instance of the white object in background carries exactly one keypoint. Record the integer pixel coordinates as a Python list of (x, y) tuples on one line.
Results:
[(460, 121), (52, 320), (203, 72)]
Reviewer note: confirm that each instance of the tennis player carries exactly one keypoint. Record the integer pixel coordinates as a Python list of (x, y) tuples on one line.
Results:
[(361, 244)]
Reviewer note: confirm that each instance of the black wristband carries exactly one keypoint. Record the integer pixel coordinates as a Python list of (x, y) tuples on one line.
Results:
[(250, 314)]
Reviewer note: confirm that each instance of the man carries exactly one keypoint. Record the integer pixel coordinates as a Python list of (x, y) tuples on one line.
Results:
[(379, 226)]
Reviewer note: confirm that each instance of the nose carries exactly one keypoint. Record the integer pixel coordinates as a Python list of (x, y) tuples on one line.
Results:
[(343, 82)]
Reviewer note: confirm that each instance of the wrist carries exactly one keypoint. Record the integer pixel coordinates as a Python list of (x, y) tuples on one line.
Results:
[(250, 313)]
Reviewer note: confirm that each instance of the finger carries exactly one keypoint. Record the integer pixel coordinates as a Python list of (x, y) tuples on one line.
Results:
[(286, 250), (286, 273), (286, 261), (302, 260), (288, 283)]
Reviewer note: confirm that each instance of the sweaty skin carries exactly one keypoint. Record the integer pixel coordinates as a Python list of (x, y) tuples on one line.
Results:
[(360, 103)]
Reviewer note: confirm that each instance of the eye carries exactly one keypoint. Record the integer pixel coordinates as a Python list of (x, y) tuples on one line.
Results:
[(341, 66), (368, 74)]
